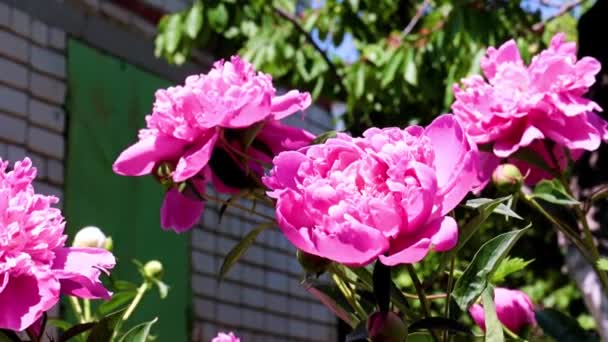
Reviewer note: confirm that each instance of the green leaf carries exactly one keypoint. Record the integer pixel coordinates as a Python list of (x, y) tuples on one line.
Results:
[(59, 323), (75, 331), (509, 266), (173, 33), (485, 210), (493, 326), (218, 17), (138, 333), (393, 65), (163, 289), (561, 327), (501, 209), (249, 134), (332, 298), (411, 70), (323, 137), (237, 251), (476, 276), (360, 80), (440, 323), (554, 192), (119, 299), (602, 264), (194, 20), (104, 329)]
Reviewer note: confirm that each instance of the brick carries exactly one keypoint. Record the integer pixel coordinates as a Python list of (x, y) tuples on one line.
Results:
[(321, 332), (228, 314), (175, 5), (115, 12), (274, 302), (204, 285), (13, 46), (45, 115), (204, 263), (13, 101), (20, 22), (252, 319), (15, 153), (12, 129), (277, 281), (229, 292), (13, 74), (276, 324), (156, 3), (55, 171), (40, 163), (45, 142), (254, 254), (252, 297), (299, 307), (298, 329), (276, 259), (57, 38), (49, 190), (253, 275), (48, 61), (144, 26), (40, 32), (204, 308), (224, 245), (5, 15), (47, 88), (3, 151), (203, 240)]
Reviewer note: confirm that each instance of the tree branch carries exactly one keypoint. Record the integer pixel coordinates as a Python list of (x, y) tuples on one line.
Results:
[(565, 9), (294, 21), (415, 19)]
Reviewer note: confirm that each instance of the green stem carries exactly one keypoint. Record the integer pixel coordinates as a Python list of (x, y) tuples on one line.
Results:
[(446, 333), (138, 296), (350, 296), (87, 310), (77, 309), (424, 303)]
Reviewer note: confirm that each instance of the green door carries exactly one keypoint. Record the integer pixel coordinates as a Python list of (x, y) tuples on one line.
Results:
[(107, 102)]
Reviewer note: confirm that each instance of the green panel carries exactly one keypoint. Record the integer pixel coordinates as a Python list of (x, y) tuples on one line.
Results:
[(107, 102)]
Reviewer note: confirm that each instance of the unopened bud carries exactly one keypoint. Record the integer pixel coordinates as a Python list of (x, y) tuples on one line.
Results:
[(507, 178), (386, 327), (90, 237), (311, 263), (153, 269), (109, 245)]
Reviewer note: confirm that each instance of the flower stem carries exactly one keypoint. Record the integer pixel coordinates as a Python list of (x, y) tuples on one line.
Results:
[(424, 303), (87, 310), (77, 309), (138, 296)]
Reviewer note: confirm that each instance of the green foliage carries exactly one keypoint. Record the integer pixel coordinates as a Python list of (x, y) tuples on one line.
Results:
[(562, 327), (554, 192), (241, 247), (602, 264), (493, 326), (390, 78), (139, 333), (507, 267)]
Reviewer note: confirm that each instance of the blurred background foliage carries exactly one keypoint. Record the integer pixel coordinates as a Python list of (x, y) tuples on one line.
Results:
[(391, 63)]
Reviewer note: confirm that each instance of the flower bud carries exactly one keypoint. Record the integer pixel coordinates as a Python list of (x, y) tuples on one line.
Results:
[(90, 237), (109, 244), (153, 269), (386, 327), (507, 178), (311, 263)]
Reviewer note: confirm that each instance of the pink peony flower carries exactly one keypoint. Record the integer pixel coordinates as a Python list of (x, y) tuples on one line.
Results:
[(194, 124), (516, 104), (223, 337), (513, 308), (383, 195), (35, 265)]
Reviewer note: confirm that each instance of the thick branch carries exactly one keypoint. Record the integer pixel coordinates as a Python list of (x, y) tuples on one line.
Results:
[(294, 21), (565, 9)]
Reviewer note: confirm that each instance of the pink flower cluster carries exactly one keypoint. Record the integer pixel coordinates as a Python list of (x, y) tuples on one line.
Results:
[(513, 308), (190, 125), (518, 106), (384, 195), (35, 265), (226, 337)]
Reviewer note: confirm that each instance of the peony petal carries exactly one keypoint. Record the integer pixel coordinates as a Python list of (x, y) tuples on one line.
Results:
[(289, 103), (279, 137), (140, 158), (196, 157), (78, 270), (285, 171), (26, 297), (180, 213), (450, 146), (440, 235)]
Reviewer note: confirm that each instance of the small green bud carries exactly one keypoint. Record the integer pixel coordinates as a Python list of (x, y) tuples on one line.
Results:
[(311, 263), (386, 327), (109, 244), (153, 269), (507, 178)]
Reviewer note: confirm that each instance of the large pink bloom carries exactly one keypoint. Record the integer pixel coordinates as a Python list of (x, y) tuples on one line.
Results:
[(516, 104), (383, 195), (223, 337), (513, 308), (203, 120), (35, 265)]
